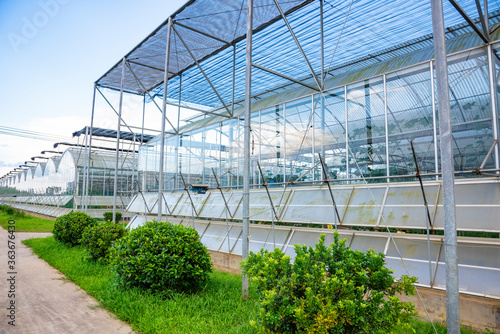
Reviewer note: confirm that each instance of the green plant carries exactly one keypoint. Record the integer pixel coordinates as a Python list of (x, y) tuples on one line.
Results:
[(328, 290), (7, 209), (159, 256), (69, 228), (99, 238), (108, 216)]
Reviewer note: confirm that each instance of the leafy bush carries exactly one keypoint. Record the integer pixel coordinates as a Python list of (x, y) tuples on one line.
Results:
[(7, 209), (69, 228), (328, 290), (108, 216), (160, 256), (99, 238)]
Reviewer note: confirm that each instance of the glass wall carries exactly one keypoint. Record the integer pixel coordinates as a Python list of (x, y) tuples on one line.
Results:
[(363, 130)]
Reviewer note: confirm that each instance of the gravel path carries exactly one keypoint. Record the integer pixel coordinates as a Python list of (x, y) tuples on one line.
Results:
[(45, 301)]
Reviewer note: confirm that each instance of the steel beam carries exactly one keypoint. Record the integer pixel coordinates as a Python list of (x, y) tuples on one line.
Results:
[(493, 97), (469, 21), (163, 118), (201, 33), (246, 144), (115, 183), (164, 96), (201, 69), (446, 143), (284, 76), (90, 144), (297, 42)]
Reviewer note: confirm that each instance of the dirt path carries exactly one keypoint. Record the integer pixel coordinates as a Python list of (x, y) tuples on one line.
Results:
[(45, 302)]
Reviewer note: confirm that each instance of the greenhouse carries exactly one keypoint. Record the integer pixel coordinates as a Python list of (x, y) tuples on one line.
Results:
[(56, 187), (284, 120)]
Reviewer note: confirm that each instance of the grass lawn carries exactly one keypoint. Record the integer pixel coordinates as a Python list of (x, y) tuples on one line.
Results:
[(217, 308), (26, 223)]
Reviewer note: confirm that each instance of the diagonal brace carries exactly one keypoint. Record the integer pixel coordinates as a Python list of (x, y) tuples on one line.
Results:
[(267, 190), (471, 23), (201, 69), (222, 193), (284, 76), (149, 94), (325, 175), (298, 44)]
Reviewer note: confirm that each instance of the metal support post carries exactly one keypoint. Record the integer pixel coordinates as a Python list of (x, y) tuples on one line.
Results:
[(493, 94), (322, 37), (434, 122), (85, 168), (246, 144), (163, 118), (90, 147), (450, 230), (115, 184)]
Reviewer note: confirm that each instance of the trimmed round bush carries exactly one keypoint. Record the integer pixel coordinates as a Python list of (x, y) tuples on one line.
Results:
[(99, 238), (69, 228), (161, 256)]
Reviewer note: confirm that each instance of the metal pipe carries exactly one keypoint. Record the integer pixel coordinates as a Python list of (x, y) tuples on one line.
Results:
[(90, 146), (163, 118), (297, 42), (493, 103), (115, 184), (246, 145), (322, 37), (434, 121), (446, 144), (84, 192)]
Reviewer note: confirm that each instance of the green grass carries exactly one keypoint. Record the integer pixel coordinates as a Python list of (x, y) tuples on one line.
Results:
[(424, 327), (26, 223), (217, 308)]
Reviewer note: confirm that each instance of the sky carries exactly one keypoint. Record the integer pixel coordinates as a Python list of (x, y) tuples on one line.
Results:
[(51, 53)]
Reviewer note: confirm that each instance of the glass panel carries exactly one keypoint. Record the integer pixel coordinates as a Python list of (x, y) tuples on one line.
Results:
[(330, 134), (470, 110), (409, 118), (366, 129), (272, 144), (298, 138)]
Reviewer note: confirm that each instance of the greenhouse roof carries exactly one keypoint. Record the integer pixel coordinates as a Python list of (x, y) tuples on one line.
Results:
[(207, 35), (109, 133)]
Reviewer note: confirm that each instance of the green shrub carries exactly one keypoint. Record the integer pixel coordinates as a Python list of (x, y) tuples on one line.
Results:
[(159, 256), (99, 238), (69, 228), (328, 290), (7, 209), (108, 216)]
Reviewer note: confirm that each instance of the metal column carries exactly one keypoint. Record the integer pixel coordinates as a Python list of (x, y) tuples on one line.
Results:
[(115, 185), (163, 117), (491, 71), (246, 144), (85, 168), (447, 168), (90, 148)]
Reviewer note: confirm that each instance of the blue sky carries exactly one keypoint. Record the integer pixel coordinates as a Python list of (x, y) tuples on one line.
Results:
[(51, 52)]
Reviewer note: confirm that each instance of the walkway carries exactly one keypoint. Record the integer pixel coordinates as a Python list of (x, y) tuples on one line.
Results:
[(46, 302)]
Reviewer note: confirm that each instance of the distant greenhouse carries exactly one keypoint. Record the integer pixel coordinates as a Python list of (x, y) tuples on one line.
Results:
[(56, 186)]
